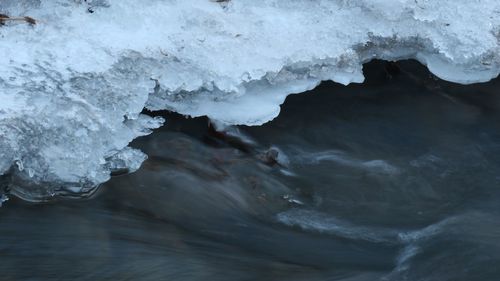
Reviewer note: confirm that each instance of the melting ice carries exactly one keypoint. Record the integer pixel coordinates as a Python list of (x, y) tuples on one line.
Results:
[(73, 86)]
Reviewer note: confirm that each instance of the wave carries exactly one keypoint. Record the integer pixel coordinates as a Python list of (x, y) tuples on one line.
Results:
[(411, 243), (342, 158), (324, 223), (315, 221), (74, 84)]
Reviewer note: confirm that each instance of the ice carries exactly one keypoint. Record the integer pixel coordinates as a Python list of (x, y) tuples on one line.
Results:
[(72, 87)]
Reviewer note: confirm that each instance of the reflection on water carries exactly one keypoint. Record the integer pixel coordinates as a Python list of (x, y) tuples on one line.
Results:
[(396, 179)]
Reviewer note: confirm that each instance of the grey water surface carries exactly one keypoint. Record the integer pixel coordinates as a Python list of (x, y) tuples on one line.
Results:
[(395, 179)]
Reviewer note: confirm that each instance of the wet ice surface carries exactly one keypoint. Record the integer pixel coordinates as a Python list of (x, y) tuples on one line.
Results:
[(395, 179)]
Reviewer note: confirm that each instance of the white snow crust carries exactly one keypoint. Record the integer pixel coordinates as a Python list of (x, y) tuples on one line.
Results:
[(72, 87)]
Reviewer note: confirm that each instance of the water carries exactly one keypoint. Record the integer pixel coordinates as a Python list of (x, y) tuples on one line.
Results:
[(395, 179)]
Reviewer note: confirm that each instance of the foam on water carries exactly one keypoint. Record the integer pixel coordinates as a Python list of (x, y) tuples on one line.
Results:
[(323, 223)]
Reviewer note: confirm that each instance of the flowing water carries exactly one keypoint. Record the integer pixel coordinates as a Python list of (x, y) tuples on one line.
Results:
[(394, 179)]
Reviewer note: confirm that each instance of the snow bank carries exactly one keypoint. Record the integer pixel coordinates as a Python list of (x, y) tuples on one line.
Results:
[(72, 87)]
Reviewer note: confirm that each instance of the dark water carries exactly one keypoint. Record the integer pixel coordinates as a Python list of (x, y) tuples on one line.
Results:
[(395, 179)]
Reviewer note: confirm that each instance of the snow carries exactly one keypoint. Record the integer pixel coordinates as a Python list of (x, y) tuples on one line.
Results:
[(72, 87)]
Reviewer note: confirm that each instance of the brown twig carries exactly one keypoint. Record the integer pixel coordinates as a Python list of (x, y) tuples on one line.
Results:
[(5, 18)]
